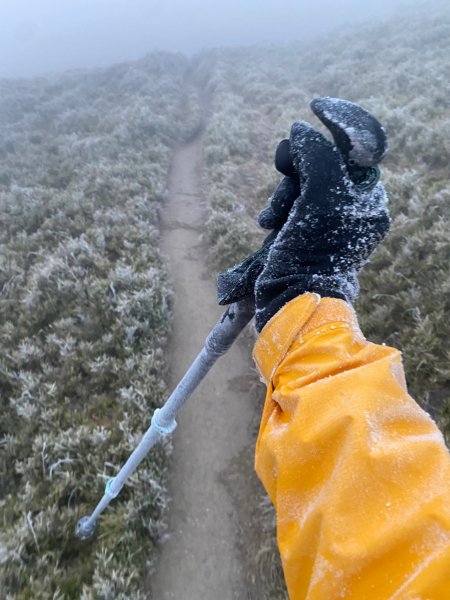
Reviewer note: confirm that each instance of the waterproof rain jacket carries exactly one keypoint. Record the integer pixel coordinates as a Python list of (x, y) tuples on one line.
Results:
[(359, 475)]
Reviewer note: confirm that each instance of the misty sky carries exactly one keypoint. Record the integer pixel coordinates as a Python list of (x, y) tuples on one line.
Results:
[(39, 36)]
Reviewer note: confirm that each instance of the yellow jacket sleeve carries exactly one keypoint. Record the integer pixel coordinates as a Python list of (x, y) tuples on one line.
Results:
[(359, 475)]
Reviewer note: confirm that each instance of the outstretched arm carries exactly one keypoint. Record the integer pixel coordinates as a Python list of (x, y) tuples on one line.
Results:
[(359, 475)]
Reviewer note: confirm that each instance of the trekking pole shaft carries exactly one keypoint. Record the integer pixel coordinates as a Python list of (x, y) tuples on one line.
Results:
[(163, 421)]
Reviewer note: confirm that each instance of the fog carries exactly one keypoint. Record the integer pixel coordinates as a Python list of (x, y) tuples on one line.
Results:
[(40, 36)]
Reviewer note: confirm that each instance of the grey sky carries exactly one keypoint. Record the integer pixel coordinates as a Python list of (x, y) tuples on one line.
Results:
[(37, 36)]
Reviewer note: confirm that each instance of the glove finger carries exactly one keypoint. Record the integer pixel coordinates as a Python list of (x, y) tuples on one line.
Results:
[(283, 159), (280, 204), (357, 133), (317, 161)]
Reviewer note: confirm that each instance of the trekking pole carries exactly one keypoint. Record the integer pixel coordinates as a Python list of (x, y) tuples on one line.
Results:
[(163, 423)]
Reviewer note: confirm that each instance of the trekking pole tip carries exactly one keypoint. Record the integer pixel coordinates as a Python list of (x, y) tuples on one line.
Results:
[(85, 528)]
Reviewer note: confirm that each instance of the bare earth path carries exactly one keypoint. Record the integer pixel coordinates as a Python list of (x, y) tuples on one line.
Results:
[(200, 561)]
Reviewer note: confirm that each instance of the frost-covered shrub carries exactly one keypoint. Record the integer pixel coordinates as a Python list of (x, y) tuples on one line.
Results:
[(399, 70), (407, 89), (231, 165), (84, 315), (228, 236)]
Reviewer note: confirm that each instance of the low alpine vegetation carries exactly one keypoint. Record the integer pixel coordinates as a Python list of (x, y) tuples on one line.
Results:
[(84, 315), (257, 93), (84, 299)]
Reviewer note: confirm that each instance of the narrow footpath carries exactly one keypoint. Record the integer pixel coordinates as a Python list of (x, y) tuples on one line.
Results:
[(200, 560)]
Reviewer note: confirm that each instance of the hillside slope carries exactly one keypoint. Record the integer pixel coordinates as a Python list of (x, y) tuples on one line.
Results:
[(398, 69), (84, 318), (85, 305)]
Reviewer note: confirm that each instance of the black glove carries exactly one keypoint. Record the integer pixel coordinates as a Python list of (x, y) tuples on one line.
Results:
[(280, 203), (362, 144), (333, 226)]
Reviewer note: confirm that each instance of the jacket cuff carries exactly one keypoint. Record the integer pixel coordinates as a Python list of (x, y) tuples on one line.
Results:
[(298, 317)]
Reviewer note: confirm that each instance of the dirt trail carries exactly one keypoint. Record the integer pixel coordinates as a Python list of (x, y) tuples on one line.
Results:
[(201, 559)]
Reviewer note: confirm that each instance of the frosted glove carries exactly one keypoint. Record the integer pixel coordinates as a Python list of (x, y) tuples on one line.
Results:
[(332, 228)]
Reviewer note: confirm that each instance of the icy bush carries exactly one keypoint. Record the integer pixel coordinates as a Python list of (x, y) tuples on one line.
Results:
[(263, 90), (84, 316), (400, 71)]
